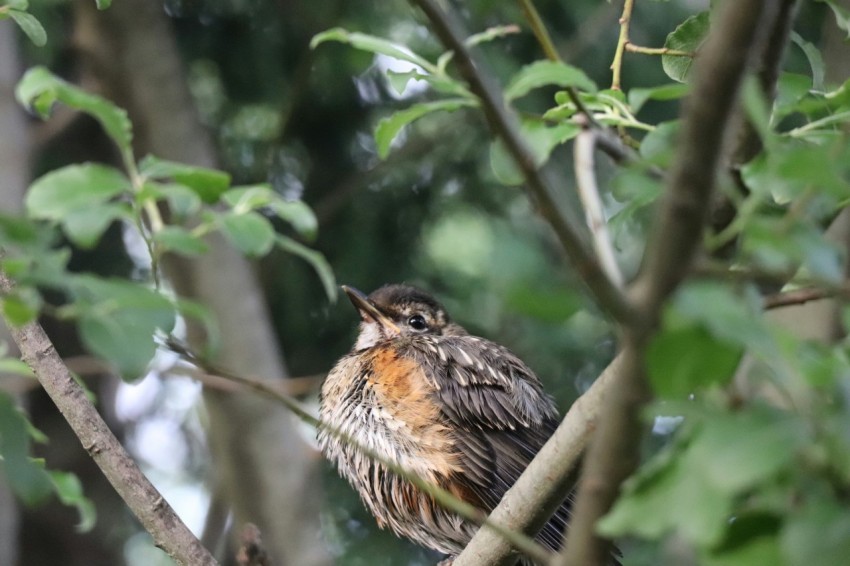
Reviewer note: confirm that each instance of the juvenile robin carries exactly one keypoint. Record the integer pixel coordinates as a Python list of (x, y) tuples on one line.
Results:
[(457, 410)]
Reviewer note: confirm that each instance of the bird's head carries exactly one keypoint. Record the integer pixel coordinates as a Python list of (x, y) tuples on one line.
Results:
[(396, 311)]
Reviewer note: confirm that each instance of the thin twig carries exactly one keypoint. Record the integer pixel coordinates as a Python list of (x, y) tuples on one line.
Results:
[(539, 29), (632, 48), (153, 511), (617, 63), (504, 123), (802, 296), (583, 149), (614, 452), (526, 544)]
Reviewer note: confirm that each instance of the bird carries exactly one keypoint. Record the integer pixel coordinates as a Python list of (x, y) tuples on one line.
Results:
[(456, 410)]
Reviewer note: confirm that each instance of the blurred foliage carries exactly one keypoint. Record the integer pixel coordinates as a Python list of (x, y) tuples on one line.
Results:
[(348, 147)]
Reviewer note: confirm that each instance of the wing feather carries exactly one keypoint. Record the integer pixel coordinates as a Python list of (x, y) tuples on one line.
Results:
[(499, 412)]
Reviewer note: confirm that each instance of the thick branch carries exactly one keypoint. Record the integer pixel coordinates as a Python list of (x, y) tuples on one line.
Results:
[(614, 451), (504, 123), (156, 515)]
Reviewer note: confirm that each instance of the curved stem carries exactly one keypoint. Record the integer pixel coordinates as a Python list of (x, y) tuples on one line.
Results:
[(583, 149)]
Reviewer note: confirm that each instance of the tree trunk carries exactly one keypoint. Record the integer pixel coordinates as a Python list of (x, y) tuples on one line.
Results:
[(262, 464)]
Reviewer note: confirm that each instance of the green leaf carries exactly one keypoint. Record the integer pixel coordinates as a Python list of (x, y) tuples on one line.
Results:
[(72, 188), (400, 79), (639, 96), (738, 451), (689, 36), (40, 89), (295, 212), (728, 316), (691, 486), (70, 492), (247, 198), (21, 305), (658, 146), (757, 108), (85, 226), (30, 26), (390, 126), (208, 184), (790, 90), (119, 320), (818, 536), (181, 241), (777, 246), (103, 4), (183, 202), (542, 73), (27, 479), (21, 231), (751, 540), (815, 60), (372, 44), (15, 367), (682, 361), (250, 232), (315, 259), (542, 140), (669, 495), (300, 216), (842, 16)]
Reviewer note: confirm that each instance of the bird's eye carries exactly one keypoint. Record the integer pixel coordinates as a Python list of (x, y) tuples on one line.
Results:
[(417, 322)]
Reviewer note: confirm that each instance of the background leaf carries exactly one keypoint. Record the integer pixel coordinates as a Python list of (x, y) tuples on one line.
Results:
[(71, 188), (250, 232), (687, 37), (542, 73), (207, 183), (119, 320), (389, 127), (40, 89), (315, 259), (30, 26)]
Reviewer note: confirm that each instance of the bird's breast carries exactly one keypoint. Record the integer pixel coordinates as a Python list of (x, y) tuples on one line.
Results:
[(382, 400)]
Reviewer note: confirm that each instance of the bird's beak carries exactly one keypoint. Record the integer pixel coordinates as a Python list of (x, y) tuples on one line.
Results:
[(368, 311)]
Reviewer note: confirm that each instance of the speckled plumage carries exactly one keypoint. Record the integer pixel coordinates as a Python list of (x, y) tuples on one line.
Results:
[(457, 410)]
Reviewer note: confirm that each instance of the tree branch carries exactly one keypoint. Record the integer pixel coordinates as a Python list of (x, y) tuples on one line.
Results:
[(156, 515), (504, 123), (708, 119), (622, 42), (583, 149)]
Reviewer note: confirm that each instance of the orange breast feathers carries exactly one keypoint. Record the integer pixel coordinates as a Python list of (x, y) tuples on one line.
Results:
[(407, 396)]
